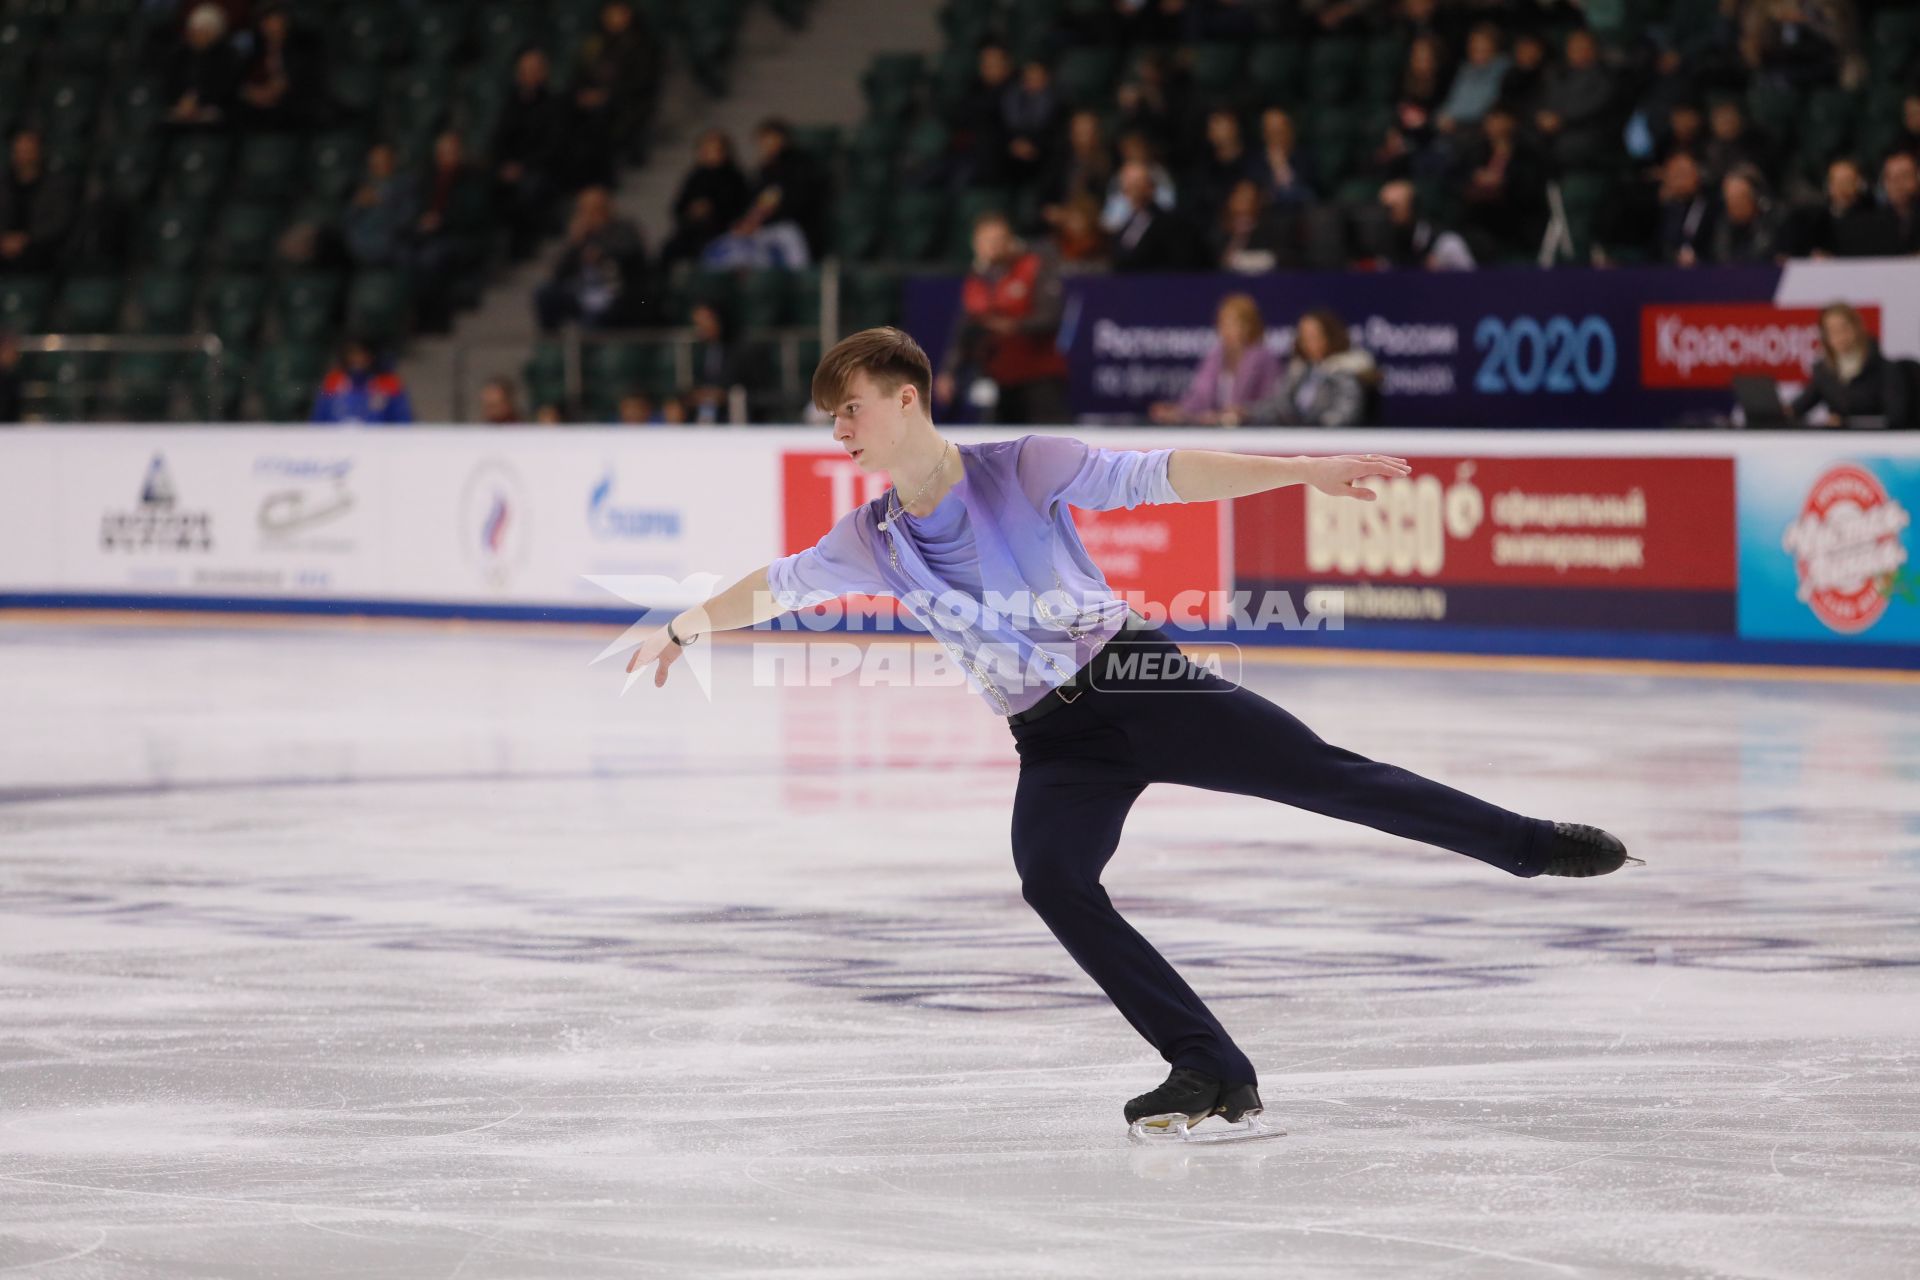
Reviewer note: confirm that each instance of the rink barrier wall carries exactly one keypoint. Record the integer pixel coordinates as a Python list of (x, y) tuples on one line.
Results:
[(1720, 547)]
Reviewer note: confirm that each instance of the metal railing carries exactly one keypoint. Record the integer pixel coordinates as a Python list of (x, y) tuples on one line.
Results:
[(75, 388)]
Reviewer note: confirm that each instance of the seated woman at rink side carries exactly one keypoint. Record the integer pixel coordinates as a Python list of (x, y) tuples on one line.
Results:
[(1852, 381), (1238, 373), (982, 551), (1328, 381)]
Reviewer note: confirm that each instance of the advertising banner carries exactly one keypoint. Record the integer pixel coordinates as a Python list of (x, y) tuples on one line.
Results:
[(1827, 548), (1616, 543), (1636, 347)]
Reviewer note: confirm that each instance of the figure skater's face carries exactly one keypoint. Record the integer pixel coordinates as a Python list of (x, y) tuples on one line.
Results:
[(871, 424)]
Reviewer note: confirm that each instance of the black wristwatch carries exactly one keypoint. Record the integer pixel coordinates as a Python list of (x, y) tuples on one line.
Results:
[(671, 635)]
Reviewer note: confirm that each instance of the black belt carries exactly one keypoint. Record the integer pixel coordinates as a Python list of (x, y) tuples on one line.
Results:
[(1070, 689)]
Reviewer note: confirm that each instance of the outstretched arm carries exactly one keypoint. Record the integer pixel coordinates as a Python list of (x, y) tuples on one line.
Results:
[(746, 602), (1202, 475)]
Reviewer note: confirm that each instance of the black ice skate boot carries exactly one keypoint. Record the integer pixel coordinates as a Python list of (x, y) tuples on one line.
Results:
[(1187, 1095), (1238, 1101), (1579, 850)]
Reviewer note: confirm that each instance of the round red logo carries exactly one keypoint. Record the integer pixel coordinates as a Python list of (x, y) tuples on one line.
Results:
[(1845, 546)]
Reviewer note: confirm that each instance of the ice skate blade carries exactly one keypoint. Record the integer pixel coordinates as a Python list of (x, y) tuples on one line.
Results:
[(1154, 1131)]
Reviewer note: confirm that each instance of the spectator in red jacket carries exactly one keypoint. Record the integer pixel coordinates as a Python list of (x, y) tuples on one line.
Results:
[(1005, 333), (358, 391)]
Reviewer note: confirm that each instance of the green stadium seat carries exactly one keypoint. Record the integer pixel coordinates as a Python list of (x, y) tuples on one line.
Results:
[(83, 41), (25, 302), (919, 226), (1775, 108), (244, 234), (869, 297), (234, 307), (286, 376), (355, 87), (88, 304), (609, 369), (1894, 44), (67, 155), (197, 166), (378, 304), (1583, 195), (372, 33), (1218, 70), (1030, 27), (269, 167), (1333, 67), (1335, 144), (334, 165), (803, 297), (502, 29), (719, 288), (439, 31), (763, 300), (416, 99), (131, 170), (1277, 71), (137, 107), (891, 81), (306, 304), (162, 303), (820, 142), (924, 149), (173, 234), (66, 105), (1385, 61), (140, 386), (857, 228), (546, 374), (1085, 76)]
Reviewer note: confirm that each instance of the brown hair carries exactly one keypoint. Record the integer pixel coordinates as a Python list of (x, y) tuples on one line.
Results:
[(1852, 317), (1332, 325), (889, 356), (1243, 308)]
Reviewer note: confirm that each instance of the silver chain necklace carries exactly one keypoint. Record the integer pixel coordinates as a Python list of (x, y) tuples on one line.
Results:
[(893, 495)]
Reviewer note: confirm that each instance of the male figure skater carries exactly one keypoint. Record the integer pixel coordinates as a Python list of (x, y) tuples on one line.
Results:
[(986, 524)]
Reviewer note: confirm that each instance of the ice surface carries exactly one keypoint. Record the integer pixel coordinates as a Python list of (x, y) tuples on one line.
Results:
[(394, 951)]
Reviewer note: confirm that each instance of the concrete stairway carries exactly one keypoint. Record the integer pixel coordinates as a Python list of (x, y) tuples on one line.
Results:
[(808, 77)]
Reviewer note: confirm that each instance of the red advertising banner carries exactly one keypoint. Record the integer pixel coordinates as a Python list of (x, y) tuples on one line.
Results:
[(1705, 345), (1157, 551), (1609, 523)]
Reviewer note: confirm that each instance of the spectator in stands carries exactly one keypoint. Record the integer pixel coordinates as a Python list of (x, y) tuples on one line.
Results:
[(1340, 17), (1150, 238), (1327, 380), (719, 363), (1135, 148), (358, 389), (1527, 77), (1413, 241), (1847, 225), (1084, 167), (1249, 238), (549, 415), (781, 228), (1734, 142), (203, 72), (1747, 230), (1078, 238), (528, 151), (617, 81), (1576, 104), (448, 240), (598, 281), (1686, 131), (1238, 373), (1029, 113), (1476, 85), (1503, 188), (1900, 187), (382, 213), (1908, 138), (712, 197), (1686, 211), (36, 209), (499, 406), (1282, 172), (1005, 333), (636, 410), (1799, 43), (976, 137), (1852, 380), (673, 412), (1223, 165), (9, 377), (1423, 87), (1148, 101), (282, 85)]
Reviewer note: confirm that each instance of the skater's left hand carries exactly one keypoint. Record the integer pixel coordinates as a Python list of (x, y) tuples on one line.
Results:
[(1340, 475)]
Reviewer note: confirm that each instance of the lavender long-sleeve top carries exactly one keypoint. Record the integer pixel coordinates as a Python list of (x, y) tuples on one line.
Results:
[(1213, 388), (997, 571)]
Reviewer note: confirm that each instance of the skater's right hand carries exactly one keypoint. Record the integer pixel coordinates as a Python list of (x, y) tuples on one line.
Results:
[(658, 647)]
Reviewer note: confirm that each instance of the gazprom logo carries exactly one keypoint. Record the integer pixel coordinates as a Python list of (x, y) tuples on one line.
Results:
[(611, 522)]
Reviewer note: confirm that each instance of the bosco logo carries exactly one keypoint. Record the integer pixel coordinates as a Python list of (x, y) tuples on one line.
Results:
[(1846, 546)]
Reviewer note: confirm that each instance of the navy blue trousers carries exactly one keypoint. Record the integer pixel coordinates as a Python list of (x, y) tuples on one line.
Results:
[(1082, 767)]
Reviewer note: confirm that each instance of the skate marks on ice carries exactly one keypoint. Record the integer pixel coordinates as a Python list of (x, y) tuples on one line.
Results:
[(487, 996)]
